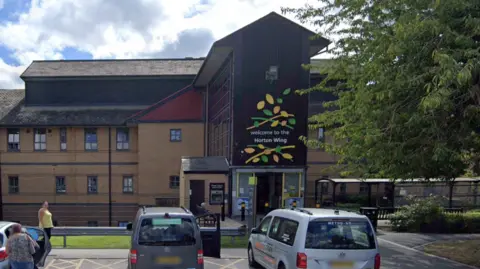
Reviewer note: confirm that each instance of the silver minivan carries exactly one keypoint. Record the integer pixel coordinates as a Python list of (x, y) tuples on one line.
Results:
[(314, 238), (165, 237)]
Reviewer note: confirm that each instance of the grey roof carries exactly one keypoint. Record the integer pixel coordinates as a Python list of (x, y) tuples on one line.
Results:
[(70, 116), (92, 68), (9, 99), (213, 164)]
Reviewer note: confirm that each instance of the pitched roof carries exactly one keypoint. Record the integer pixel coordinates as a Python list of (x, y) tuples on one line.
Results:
[(9, 99), (69, 116), (95, 68), (184, 105), (210, 164)]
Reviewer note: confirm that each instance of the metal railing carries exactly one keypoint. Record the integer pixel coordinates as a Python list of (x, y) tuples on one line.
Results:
[(122, 231)]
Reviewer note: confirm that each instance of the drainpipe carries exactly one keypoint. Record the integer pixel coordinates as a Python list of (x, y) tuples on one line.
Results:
[(110, 176)]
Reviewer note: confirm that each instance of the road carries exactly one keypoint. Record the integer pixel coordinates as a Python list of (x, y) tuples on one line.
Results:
[(394, 256)]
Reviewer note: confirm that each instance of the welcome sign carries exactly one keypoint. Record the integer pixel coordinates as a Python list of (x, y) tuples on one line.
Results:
[(271, 129)]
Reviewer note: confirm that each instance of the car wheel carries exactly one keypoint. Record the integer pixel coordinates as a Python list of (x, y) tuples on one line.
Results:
[(251, 257)]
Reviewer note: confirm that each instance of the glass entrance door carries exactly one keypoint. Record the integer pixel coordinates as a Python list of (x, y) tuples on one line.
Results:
[(242, 193), (292, 195)]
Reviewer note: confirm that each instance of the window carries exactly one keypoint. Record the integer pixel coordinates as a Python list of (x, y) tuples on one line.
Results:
[(343, 188), (340, 234), (172, 231), (175, 135), (122, 223), (92, 223), (92, 184), (40, 135), (60, 184), (91, 139), (13, 186), (263, 227), (283, 230), (123, 139), (63, 139), (363, 188), (174, 182), (127, 184), (321, 134), (13, 139)]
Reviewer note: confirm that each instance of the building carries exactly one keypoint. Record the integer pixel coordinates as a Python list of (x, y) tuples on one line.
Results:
[(98, 138)]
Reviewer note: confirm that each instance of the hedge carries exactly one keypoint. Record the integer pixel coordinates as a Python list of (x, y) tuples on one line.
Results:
[(427, 216)]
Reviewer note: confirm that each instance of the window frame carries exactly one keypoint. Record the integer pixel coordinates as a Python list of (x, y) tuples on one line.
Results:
[(174, 134), (125, 188), (321, 134), (91, 177), (126, 132), (57, 179), (13, 132), (62, 134), (13, 189), (90, 131), (37, 131), (173, 179), (283, 219)]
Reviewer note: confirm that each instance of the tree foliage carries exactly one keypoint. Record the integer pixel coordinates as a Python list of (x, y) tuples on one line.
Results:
[(407, 76)]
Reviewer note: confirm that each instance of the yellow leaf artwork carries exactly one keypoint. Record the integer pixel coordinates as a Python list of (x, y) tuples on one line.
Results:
[(275, 123), (256, 160), (275, 158), (287, 156), (284, 123), (249, 150), (284, 113), (260, 146), (276, 109), (260, 105), (269, 99)]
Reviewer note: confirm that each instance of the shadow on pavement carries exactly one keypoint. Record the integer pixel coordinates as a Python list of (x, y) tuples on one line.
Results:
[(398, 258)]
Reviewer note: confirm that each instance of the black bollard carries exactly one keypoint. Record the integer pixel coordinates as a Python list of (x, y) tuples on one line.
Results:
[(242, 212), (223, 212)]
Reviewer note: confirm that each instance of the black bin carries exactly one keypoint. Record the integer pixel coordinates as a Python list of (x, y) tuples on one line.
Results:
[(372, 215)]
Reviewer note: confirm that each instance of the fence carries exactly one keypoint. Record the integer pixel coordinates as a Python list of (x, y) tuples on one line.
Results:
[(122, 231)]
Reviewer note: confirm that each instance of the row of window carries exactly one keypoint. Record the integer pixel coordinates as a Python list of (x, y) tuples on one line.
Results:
[(281, 229), (91, 138), (92, 184), (343, 188)]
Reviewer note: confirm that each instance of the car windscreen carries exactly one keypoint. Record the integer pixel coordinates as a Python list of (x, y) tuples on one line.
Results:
[(169, 231), (340, 234)]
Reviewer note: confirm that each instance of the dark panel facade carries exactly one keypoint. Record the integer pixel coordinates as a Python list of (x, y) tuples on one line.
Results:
[(269, 117), (100, 92), (219, 92)]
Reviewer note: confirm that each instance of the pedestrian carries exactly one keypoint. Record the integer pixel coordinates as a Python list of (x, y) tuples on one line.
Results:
[(45, 219), (20, 249)]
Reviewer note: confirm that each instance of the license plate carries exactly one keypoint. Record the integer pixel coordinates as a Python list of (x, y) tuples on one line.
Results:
[(168, 260), (341, 265)]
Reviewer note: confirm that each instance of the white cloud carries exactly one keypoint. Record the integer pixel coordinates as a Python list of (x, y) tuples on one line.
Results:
[(124, 28)]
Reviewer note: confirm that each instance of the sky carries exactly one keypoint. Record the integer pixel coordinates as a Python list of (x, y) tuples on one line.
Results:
[(118, 29)]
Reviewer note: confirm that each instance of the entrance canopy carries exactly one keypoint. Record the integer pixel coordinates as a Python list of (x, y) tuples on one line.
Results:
[(205, 165)]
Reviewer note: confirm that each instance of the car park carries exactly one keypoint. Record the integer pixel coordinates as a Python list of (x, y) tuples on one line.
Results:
[(165, 237), (35, 233), (314, 238)]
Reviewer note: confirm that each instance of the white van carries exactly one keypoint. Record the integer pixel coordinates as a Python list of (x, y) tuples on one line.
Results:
[(314, 238)]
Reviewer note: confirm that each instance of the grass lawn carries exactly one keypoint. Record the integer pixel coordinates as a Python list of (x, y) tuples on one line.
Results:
[(464, 251), (124, 242)]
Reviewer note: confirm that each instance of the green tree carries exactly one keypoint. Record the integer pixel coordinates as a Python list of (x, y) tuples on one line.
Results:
[(408, 86)]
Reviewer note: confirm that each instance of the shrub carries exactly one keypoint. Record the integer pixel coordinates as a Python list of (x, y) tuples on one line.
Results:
[(421, 215), (427, 216)]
